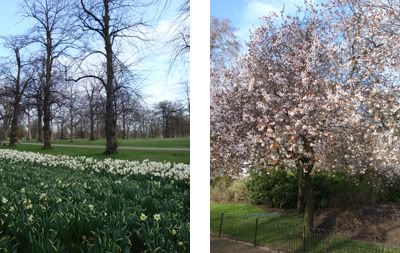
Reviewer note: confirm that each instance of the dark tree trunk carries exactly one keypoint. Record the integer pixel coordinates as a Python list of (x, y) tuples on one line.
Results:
[(71, 126), (110, 127), (17, 101), (308, 165), (62, 136), (300, 188), (123, 126), (309, 201), (40, 122), (98, 129), (46, 119), (47, 94), (111, 145), (29, 137), (92, 138), (14, 122)]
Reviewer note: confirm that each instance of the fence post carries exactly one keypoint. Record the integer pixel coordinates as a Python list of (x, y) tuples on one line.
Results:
[(220, 224), (255, 234), (304, 239)]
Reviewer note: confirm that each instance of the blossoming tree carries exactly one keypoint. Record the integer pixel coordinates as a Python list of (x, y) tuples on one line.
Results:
[(314, 91)]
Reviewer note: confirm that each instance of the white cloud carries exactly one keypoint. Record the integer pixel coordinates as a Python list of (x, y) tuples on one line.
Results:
[(152, 62), (255, 9), (258, 8)]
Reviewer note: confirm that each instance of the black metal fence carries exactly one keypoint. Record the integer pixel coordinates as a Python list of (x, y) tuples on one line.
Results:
[(280, 236)]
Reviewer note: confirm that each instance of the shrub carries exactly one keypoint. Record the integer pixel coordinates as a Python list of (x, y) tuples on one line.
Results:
[(237, 190), (275, 188), (278, 188), (226, 189)]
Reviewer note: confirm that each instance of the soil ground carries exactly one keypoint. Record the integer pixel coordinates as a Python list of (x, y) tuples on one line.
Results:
[(379, 223)]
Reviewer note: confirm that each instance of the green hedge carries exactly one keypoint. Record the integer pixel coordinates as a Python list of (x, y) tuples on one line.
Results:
[(278, 188)]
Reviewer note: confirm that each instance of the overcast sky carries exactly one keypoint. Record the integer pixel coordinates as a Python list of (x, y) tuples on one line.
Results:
[(158, 84)]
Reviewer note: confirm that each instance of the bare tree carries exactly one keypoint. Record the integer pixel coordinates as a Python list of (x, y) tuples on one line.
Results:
[(173, 120), (18, 78), (5, 112), (181, 34), (92, 93), (112, 20), (35, 94), (52, 32), (224, 45)]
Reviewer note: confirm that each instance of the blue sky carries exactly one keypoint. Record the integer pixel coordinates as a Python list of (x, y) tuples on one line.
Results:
[(245, 14), (158, 84)]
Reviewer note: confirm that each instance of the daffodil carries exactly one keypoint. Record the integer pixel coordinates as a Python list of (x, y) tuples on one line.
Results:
[(157, 217), (143, 217), (30, 218)]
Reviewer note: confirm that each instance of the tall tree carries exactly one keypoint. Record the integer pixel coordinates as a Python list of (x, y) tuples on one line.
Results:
[(53, 31), (111, 20), (92, 95), (18, 78)]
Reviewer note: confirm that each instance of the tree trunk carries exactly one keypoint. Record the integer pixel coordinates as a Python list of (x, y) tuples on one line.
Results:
[(29, 126), (91, 138), (46, 125), (123, 126), (17, 101), (110, 127), (300, 188), (111, 146), (14, 122), (71, 127), (309, 201), (98, 129), (62, 137), (39, 120), (47, 94)]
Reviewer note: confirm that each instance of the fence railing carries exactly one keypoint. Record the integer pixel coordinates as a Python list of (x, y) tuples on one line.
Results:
[(291, 238)]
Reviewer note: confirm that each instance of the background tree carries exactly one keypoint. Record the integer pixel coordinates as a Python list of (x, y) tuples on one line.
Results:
[(18, 77), (111, 20), (52, 31), (92, 94)]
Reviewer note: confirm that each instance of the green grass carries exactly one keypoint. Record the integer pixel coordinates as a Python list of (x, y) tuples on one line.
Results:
[(282, 232), (161, 156), (45, 209), (139, 142)]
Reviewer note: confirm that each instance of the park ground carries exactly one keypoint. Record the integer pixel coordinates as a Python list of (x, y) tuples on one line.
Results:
[(174, 150), (368, 229)]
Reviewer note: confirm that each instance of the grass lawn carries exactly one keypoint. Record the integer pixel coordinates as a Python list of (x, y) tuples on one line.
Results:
[(281, 231), (140, 142), (161, 156)]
